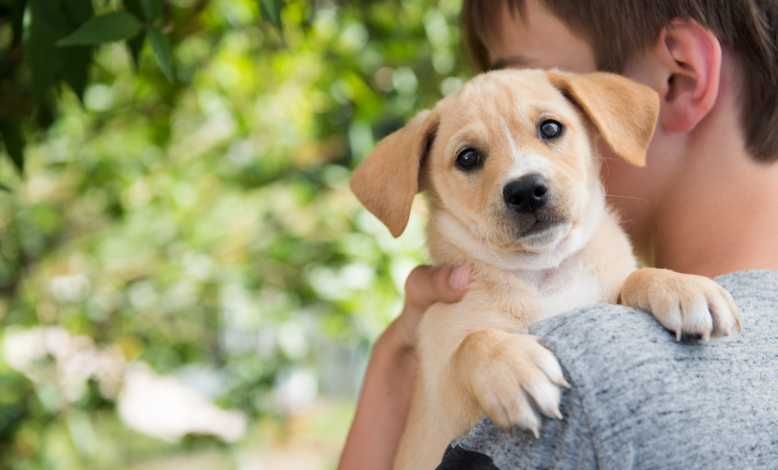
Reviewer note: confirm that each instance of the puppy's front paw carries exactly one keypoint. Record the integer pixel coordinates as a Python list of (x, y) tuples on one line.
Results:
[(685, 304), (512, 378)]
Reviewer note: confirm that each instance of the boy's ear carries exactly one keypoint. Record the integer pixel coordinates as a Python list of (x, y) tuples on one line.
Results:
[(623, 112), (388, 179)]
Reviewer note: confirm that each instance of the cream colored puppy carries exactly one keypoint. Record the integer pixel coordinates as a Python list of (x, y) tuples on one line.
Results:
[(510, 165)]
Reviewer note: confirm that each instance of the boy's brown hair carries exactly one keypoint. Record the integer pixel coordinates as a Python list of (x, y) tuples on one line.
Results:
[(619, 29)]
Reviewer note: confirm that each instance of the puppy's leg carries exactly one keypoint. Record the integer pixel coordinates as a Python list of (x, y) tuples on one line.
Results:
[(425, 436), (509, 376), (440, 409), (682, 303)]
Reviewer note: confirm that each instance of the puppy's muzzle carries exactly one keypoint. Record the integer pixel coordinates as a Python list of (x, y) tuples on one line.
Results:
[(527, 194), (530, 202)]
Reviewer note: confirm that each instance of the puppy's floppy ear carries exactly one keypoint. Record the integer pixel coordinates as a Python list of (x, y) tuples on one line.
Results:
[(624, 112), (388, 179)]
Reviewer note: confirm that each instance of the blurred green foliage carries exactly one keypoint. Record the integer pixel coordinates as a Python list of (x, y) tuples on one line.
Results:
[(184, 201)]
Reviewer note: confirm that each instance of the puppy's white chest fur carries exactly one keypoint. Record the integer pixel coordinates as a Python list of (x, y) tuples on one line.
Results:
[(570, 286)]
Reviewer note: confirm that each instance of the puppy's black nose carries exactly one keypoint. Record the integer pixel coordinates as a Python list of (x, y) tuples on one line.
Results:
[(526, 194)]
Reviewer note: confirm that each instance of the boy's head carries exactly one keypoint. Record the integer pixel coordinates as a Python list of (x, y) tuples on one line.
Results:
[(713, 62)]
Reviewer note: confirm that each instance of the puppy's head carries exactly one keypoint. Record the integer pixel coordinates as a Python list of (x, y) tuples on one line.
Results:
[(511, 161)]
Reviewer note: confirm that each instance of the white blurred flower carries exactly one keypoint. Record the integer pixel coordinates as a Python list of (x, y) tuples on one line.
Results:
[(353, 37), (142, 295), (291, 340), (237, 340), (296, 391), (75, 360), (337, 284), (69, 288), (266, 343), (357, 276), (325, 23), (241, 153), (99, 97), (180, 296), (22, 348), (207, 380), (168, 409), (404, 80), (324, 280), (198, 266), (436, 28), (234, 299), (443, 61)]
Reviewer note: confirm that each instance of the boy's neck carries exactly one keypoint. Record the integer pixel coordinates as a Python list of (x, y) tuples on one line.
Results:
[(722, 215)]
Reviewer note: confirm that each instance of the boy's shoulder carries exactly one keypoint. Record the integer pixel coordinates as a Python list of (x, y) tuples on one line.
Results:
[(640, 396)]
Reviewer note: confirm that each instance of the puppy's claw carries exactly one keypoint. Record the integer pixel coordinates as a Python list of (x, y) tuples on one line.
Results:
[(517, 386), (678, 334), (527, 417)]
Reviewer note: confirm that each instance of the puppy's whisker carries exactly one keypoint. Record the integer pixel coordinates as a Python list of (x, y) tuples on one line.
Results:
[(618, 196)]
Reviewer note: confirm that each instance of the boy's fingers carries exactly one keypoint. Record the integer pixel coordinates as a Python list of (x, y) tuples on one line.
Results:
[(427, 285)]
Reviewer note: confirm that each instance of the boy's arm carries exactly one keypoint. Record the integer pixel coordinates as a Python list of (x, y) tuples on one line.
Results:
[(389, 381)]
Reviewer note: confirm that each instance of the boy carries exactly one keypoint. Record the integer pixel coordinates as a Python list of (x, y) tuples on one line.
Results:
[(706, 203)]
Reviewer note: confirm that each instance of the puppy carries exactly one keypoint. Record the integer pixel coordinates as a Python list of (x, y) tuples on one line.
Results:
[(510, 165)]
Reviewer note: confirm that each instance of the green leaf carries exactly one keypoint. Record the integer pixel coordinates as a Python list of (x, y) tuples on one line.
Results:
[(76, 72), (5, 188), (17, 20), (135, 45), (110, 27), (148, 9), (133, 6), (50, 65), (160, 44), (14, 143), (47, 25), (77, 59), (271, 10), (152, 9), (50, 20), (78, 11)]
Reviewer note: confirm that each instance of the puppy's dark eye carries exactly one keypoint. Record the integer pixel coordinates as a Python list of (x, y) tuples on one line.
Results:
[(469, 159), (550, 129)]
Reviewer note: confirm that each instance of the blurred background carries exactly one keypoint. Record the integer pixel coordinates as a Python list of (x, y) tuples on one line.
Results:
[(185, 278)]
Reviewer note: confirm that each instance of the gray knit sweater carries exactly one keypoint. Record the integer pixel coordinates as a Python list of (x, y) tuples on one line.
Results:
[(641, 400)]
